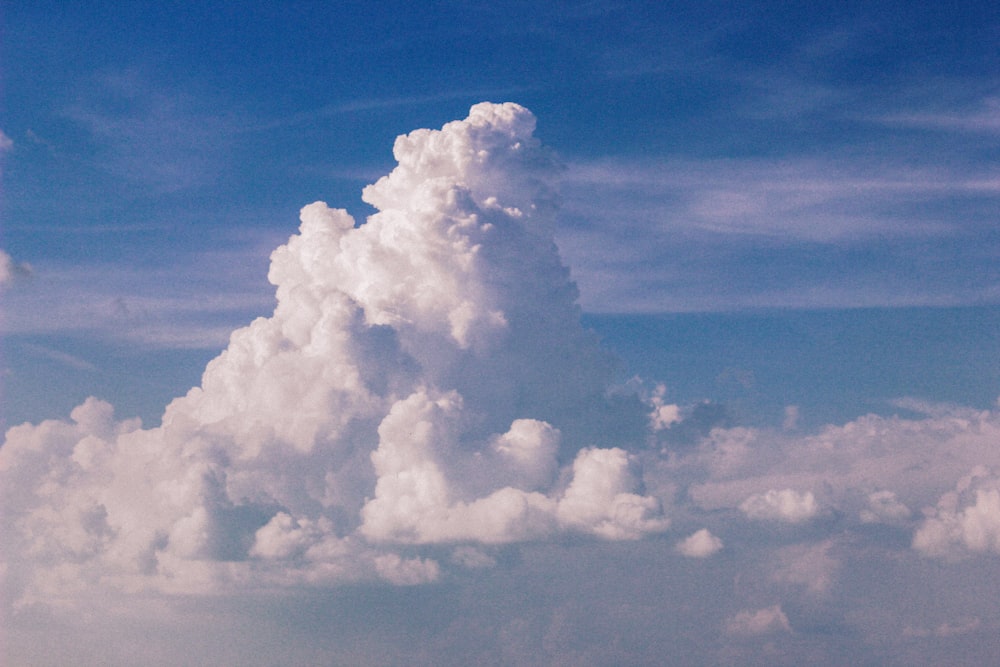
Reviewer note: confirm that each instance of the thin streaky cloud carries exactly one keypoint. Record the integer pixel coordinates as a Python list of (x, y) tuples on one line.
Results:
[(376, 104), (169, 138), (807, 199), (982, 119), (65, 358)]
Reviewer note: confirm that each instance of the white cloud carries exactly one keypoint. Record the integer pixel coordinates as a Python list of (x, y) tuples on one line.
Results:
[(847, 468), (6, 143), (700, 544), (965, 521), (786, 505), (406, 571), (419, 381), (883, 507), (664, 414), (600, 500), (810, 566), (753, 622), (11, 270)]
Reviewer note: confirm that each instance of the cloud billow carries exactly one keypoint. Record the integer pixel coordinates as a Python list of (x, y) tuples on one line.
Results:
[(424, 394), (420, 382)]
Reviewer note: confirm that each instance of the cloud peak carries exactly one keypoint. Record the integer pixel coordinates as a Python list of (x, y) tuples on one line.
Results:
[(418, 383)]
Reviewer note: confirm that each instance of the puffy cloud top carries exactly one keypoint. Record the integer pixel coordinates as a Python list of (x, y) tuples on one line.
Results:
[(700, 544), (786, 505), (420, 382), (965, 521), (752, 622), (11, 270)]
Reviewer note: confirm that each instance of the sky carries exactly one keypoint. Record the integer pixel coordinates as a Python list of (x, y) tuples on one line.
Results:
[(584, 333)]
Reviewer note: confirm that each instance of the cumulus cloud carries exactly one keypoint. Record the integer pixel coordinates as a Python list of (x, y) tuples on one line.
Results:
[(421, 381), (785, 505), (700, 544), (809, 566), (664, 414), (883, 507), (754, 622), (11, 270), (878, 469), (965, 521)]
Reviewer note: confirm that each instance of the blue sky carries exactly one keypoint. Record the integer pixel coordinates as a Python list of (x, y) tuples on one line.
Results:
[(781, 217)]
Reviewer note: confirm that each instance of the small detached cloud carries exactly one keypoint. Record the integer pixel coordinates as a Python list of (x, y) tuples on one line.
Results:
[(700, 544), (6, 143), (11, 270), (947, 629), (787, 505), (756, 622)]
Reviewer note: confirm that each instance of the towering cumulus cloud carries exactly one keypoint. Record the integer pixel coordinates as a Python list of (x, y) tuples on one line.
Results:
[(421, 382)]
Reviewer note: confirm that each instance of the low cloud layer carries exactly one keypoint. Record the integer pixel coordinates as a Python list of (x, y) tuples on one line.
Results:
[(424, 401)]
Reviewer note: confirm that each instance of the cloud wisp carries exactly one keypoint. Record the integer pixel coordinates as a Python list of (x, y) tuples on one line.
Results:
[(800, 231)]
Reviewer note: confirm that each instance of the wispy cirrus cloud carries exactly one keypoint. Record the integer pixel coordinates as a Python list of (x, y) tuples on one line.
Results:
[(835, 231), (361, 105), (165, 138), (71, 360), (193, 303), (795, 199), (979, 117)]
